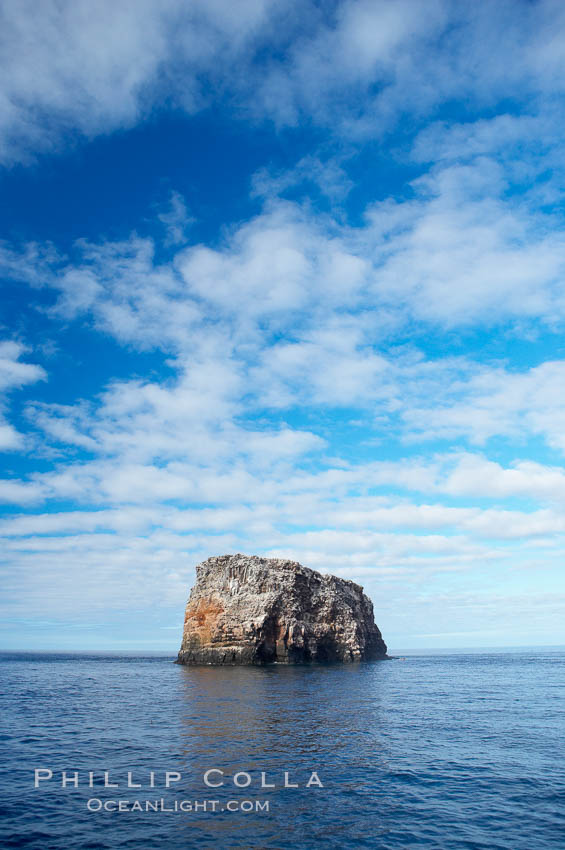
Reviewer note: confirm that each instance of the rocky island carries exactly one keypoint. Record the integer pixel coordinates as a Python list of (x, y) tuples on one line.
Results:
[(251, 610)]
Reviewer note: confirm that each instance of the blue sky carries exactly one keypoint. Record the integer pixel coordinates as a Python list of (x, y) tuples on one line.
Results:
[(287, 279)]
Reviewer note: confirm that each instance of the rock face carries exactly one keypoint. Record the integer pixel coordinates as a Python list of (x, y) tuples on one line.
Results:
[(249, 610)]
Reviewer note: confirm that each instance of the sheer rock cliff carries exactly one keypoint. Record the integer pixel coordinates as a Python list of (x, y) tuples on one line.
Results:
[(251, 610)]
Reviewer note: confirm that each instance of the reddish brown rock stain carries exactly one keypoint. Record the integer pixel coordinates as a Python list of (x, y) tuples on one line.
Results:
[(202, 619)]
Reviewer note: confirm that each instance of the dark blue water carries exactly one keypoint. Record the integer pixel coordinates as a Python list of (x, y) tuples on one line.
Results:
[(445, 751)]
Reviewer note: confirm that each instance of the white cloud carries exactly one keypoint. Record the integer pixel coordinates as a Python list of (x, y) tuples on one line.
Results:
[(292, 311), (150, 527), (73, 68), (500, 135), (328, 175), (363, 44), (14, 374), (460, 254), (294, 374), (354, 67), (498, 402), (10, 439), (371, 62), (176, 220)]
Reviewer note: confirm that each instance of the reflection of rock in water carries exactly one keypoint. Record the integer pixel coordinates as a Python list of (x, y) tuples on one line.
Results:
[(250, 610)]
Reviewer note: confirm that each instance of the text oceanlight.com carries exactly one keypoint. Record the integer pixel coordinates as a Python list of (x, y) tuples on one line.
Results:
[(162, 805)]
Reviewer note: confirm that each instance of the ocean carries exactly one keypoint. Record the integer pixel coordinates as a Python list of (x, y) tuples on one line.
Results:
[(442, 751)]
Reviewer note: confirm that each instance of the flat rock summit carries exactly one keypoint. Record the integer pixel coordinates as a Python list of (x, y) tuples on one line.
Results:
[(250, 610)]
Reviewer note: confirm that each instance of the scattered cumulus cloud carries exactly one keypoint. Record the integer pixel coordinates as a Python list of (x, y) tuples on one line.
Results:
[(176, 220), (355, 67), (326, 394), (14, 374)]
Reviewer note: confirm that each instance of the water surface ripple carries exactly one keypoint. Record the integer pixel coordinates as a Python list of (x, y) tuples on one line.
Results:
[(439, 751)]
